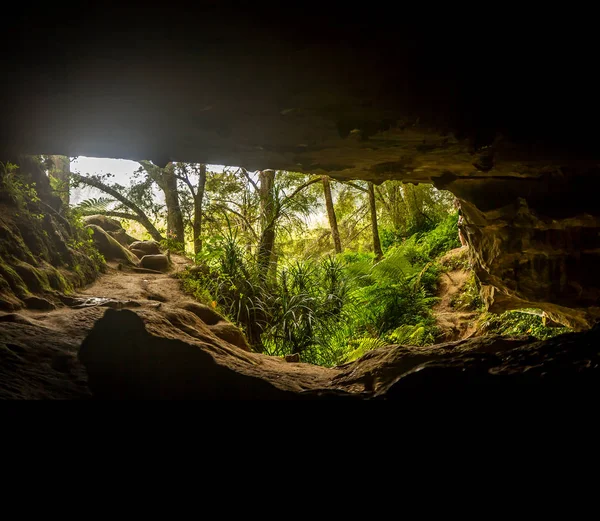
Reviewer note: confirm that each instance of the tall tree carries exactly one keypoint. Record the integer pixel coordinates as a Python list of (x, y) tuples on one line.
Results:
[(166, 180), (376, 242), (266, 183), (184, 172), (335, 233)]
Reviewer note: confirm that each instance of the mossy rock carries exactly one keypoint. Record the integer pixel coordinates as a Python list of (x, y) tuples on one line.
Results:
[(8, 302), (122, 237), (12, 244), (148, 247), (109, 247), (106, 223), (35, 279), (18, 287), (56, 279)]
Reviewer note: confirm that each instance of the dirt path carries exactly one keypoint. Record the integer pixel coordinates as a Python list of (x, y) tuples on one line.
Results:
[(131, 285), (455, 325)]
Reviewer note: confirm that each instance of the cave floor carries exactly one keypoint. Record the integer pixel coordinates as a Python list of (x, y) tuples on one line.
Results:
[(140, 342)]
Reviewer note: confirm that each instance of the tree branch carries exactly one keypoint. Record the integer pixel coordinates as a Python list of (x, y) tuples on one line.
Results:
[(354, 185), (111, 213), (250, 180), (142, 217)]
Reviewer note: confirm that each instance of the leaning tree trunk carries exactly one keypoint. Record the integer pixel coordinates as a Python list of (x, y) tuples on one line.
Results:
[(335, 233), (142, 218), (198, 199), (376, 242), (174, 214), (61, 172), (267, 220)]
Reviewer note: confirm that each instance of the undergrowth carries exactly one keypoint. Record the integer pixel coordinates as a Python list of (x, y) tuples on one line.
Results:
[(517, 323), (330, 310)]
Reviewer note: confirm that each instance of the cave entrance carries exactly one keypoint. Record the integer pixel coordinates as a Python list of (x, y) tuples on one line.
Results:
[(309, 267)]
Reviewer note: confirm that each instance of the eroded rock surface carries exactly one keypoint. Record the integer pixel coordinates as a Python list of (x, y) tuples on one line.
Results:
[(111, 248), (155, 262)]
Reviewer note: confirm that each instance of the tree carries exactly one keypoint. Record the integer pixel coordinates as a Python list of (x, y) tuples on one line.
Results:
[(268, 217), (335, 233), (184, 172), (409, 208), (137, 215), (376, 242), (166, 180)]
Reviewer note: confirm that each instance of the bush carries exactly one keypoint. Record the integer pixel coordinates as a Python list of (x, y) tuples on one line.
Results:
[(518, 323)]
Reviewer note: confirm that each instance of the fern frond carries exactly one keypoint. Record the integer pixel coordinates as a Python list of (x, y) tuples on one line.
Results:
[(96, 205)]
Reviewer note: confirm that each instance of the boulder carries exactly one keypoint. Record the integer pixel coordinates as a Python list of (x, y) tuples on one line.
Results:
[(230, 333), (110, 248), (155, 262), (122, 237), (106, 223), (148, 247), (34, 302), (205, 313), (138, 253)]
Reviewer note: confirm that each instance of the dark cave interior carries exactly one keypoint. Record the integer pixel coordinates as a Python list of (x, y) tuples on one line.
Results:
[(500, 110)]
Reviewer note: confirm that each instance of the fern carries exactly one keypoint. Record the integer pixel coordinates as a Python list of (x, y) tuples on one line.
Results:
[(95, 205), (362, 346)]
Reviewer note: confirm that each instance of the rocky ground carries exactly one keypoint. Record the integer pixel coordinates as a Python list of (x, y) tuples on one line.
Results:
[(136, 335)]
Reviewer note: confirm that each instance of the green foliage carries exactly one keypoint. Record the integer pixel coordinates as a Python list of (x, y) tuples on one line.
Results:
[(95, 205), (421, 334), (82, 240), (329, 310), (408, 209), (14, 188), (517, 323), (469, 299)]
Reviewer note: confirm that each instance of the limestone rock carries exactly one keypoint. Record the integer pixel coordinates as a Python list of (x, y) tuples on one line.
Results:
[(155, 262), (106, 223), (122, 237), (148, 247), (34, 302), (230, 333), (205, 313), (110, 248), (114, 367)]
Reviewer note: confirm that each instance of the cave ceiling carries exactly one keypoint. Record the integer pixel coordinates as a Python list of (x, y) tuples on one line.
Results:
[(353, 93)]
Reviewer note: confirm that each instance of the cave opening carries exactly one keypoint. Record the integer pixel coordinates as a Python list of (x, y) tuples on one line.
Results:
[(337, 124)]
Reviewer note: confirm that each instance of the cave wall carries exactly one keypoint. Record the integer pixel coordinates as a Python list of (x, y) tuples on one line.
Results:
[(505, 122), (536, 242), (44, 254)]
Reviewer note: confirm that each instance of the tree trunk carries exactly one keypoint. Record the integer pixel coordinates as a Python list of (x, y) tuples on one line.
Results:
[(143, 219), (174, 215), (198, 198), (335, 233), (267, 221), (376, 242), (62, 173)]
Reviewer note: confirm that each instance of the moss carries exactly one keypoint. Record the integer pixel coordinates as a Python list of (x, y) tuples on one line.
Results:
[(57, 280), (12, 244), (34, 278), (15, 282)]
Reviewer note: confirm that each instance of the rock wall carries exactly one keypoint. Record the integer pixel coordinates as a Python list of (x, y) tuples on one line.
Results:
[(535, 242), (43, 254)]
